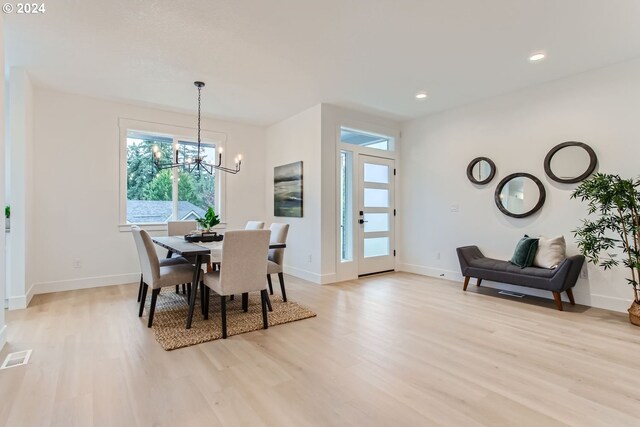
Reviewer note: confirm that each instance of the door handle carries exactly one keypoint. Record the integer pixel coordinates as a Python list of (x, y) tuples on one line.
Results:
[(362, 221)]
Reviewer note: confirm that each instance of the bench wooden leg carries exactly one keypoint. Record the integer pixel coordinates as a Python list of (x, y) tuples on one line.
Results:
[(570, 295), (479, 281), (558, 299), (466, 283)]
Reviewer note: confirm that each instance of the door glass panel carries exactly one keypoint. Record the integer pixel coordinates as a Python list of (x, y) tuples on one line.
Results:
[(376, 173), (376, 246), (375, 222), (376, 198)]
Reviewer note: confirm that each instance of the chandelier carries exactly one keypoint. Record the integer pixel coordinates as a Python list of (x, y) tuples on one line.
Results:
[(198, 162)]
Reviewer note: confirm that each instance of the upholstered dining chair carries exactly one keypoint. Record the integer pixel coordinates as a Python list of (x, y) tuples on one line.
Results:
[(254, 225), (242, 270), (135, 231), (154, 275), (276, 256), (180, 228)]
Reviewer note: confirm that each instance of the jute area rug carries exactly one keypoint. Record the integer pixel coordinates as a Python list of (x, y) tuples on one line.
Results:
[(171, 315)]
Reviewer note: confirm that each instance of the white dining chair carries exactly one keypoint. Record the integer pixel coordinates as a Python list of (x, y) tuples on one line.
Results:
[(279, 234), (135, 231), (244, 264), (156, 276), (254, 225), (180, 228)]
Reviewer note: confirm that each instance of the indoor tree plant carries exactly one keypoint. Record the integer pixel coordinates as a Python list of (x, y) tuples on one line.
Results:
[(7, 215), (209, 220), (613, 227)]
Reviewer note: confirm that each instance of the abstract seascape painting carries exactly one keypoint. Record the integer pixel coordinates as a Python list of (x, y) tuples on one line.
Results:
[(287, 190)]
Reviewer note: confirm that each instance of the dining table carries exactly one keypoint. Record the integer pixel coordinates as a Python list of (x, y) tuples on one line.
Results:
[(198, 251)]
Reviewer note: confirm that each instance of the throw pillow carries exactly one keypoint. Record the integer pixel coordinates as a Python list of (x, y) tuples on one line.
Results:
[(525, 252), (551, 252)]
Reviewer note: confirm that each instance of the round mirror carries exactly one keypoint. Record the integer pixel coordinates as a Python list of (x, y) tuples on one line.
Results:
[(520, 195), (481, 170), (570, 162)]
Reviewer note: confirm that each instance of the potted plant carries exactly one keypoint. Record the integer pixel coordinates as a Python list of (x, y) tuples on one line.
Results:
[(613, 229), (7, 215), (209, 220)]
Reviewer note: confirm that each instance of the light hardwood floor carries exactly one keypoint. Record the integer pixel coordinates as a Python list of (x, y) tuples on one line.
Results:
[(391, 350)]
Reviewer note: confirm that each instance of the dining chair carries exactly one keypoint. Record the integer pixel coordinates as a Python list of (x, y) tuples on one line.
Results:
[(254, 225), (182, 228), (164, 262), (155, 275), (244, 264), (276, 256)]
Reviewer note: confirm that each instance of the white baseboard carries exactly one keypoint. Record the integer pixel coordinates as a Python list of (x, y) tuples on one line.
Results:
[(3, 336), (610, 303), (593, 300), (84, 283), (17, 303), (319, 279)]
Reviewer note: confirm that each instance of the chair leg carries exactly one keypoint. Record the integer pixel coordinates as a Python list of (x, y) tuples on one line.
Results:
[(284, 293), (231, 297), (207, 293), (466, 283), (143, 298), (193, 291), (154, 298), (188, 291), (202, 297), (270, 284), (178, 289), (479, 281), (268, 301), (184, 289), (223, 313), (558, 299), (245, 301), (265, 319), (570, 295), (140, 288)]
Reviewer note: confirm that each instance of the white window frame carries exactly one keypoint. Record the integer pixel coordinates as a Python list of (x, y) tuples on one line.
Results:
[(182, 133)]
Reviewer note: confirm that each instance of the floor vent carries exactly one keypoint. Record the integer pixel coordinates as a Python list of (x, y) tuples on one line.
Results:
[(511, 294), (16, 359)]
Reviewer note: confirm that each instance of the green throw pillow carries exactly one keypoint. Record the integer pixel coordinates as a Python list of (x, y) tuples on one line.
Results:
[(525, 252)]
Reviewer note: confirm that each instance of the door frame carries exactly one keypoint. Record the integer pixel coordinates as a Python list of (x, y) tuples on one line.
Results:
[(348, 270)]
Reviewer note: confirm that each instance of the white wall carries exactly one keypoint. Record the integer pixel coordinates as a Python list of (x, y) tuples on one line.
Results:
[(76, 187), (3, 327), (516, 130), (298, 138)]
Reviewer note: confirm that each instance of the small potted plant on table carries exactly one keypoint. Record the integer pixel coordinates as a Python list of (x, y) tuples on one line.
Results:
[(208, 221)]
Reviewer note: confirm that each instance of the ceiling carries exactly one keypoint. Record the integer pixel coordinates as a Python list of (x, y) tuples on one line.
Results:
[(264, 61)]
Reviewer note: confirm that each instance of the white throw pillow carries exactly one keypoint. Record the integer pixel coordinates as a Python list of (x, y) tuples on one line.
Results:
[(551, 252)]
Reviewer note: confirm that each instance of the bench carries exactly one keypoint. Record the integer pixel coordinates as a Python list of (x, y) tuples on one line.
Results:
[(561, 279)]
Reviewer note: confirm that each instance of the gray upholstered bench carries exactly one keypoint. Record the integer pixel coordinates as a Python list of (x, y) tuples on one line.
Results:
[(561, 279)]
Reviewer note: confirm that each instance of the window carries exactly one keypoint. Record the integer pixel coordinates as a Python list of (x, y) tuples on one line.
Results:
[(156, 196), (367, 140), (346, 208)]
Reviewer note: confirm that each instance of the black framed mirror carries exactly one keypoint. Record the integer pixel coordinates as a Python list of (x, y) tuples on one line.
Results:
[(519, 195), (570, 162), (481, 170)]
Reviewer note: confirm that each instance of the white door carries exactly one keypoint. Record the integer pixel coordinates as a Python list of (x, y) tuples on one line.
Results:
[(376, 237)]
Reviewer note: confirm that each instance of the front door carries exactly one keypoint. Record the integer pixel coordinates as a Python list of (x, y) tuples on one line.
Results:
[(376, 237)]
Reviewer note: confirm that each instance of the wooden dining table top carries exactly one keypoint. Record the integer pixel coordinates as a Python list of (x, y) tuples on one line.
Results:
[(179, 246)]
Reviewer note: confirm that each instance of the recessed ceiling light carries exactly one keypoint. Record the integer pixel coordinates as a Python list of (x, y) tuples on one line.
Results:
[(537, 56), (421, 95)]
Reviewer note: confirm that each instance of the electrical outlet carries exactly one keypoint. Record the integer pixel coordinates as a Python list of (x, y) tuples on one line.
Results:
[(455, 208), (437, 255), (310, 259), (584, 273), (76, 263)]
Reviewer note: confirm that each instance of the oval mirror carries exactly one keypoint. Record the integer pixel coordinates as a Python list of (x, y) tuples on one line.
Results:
[(481, 170), (570, 162), (520, 195)]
